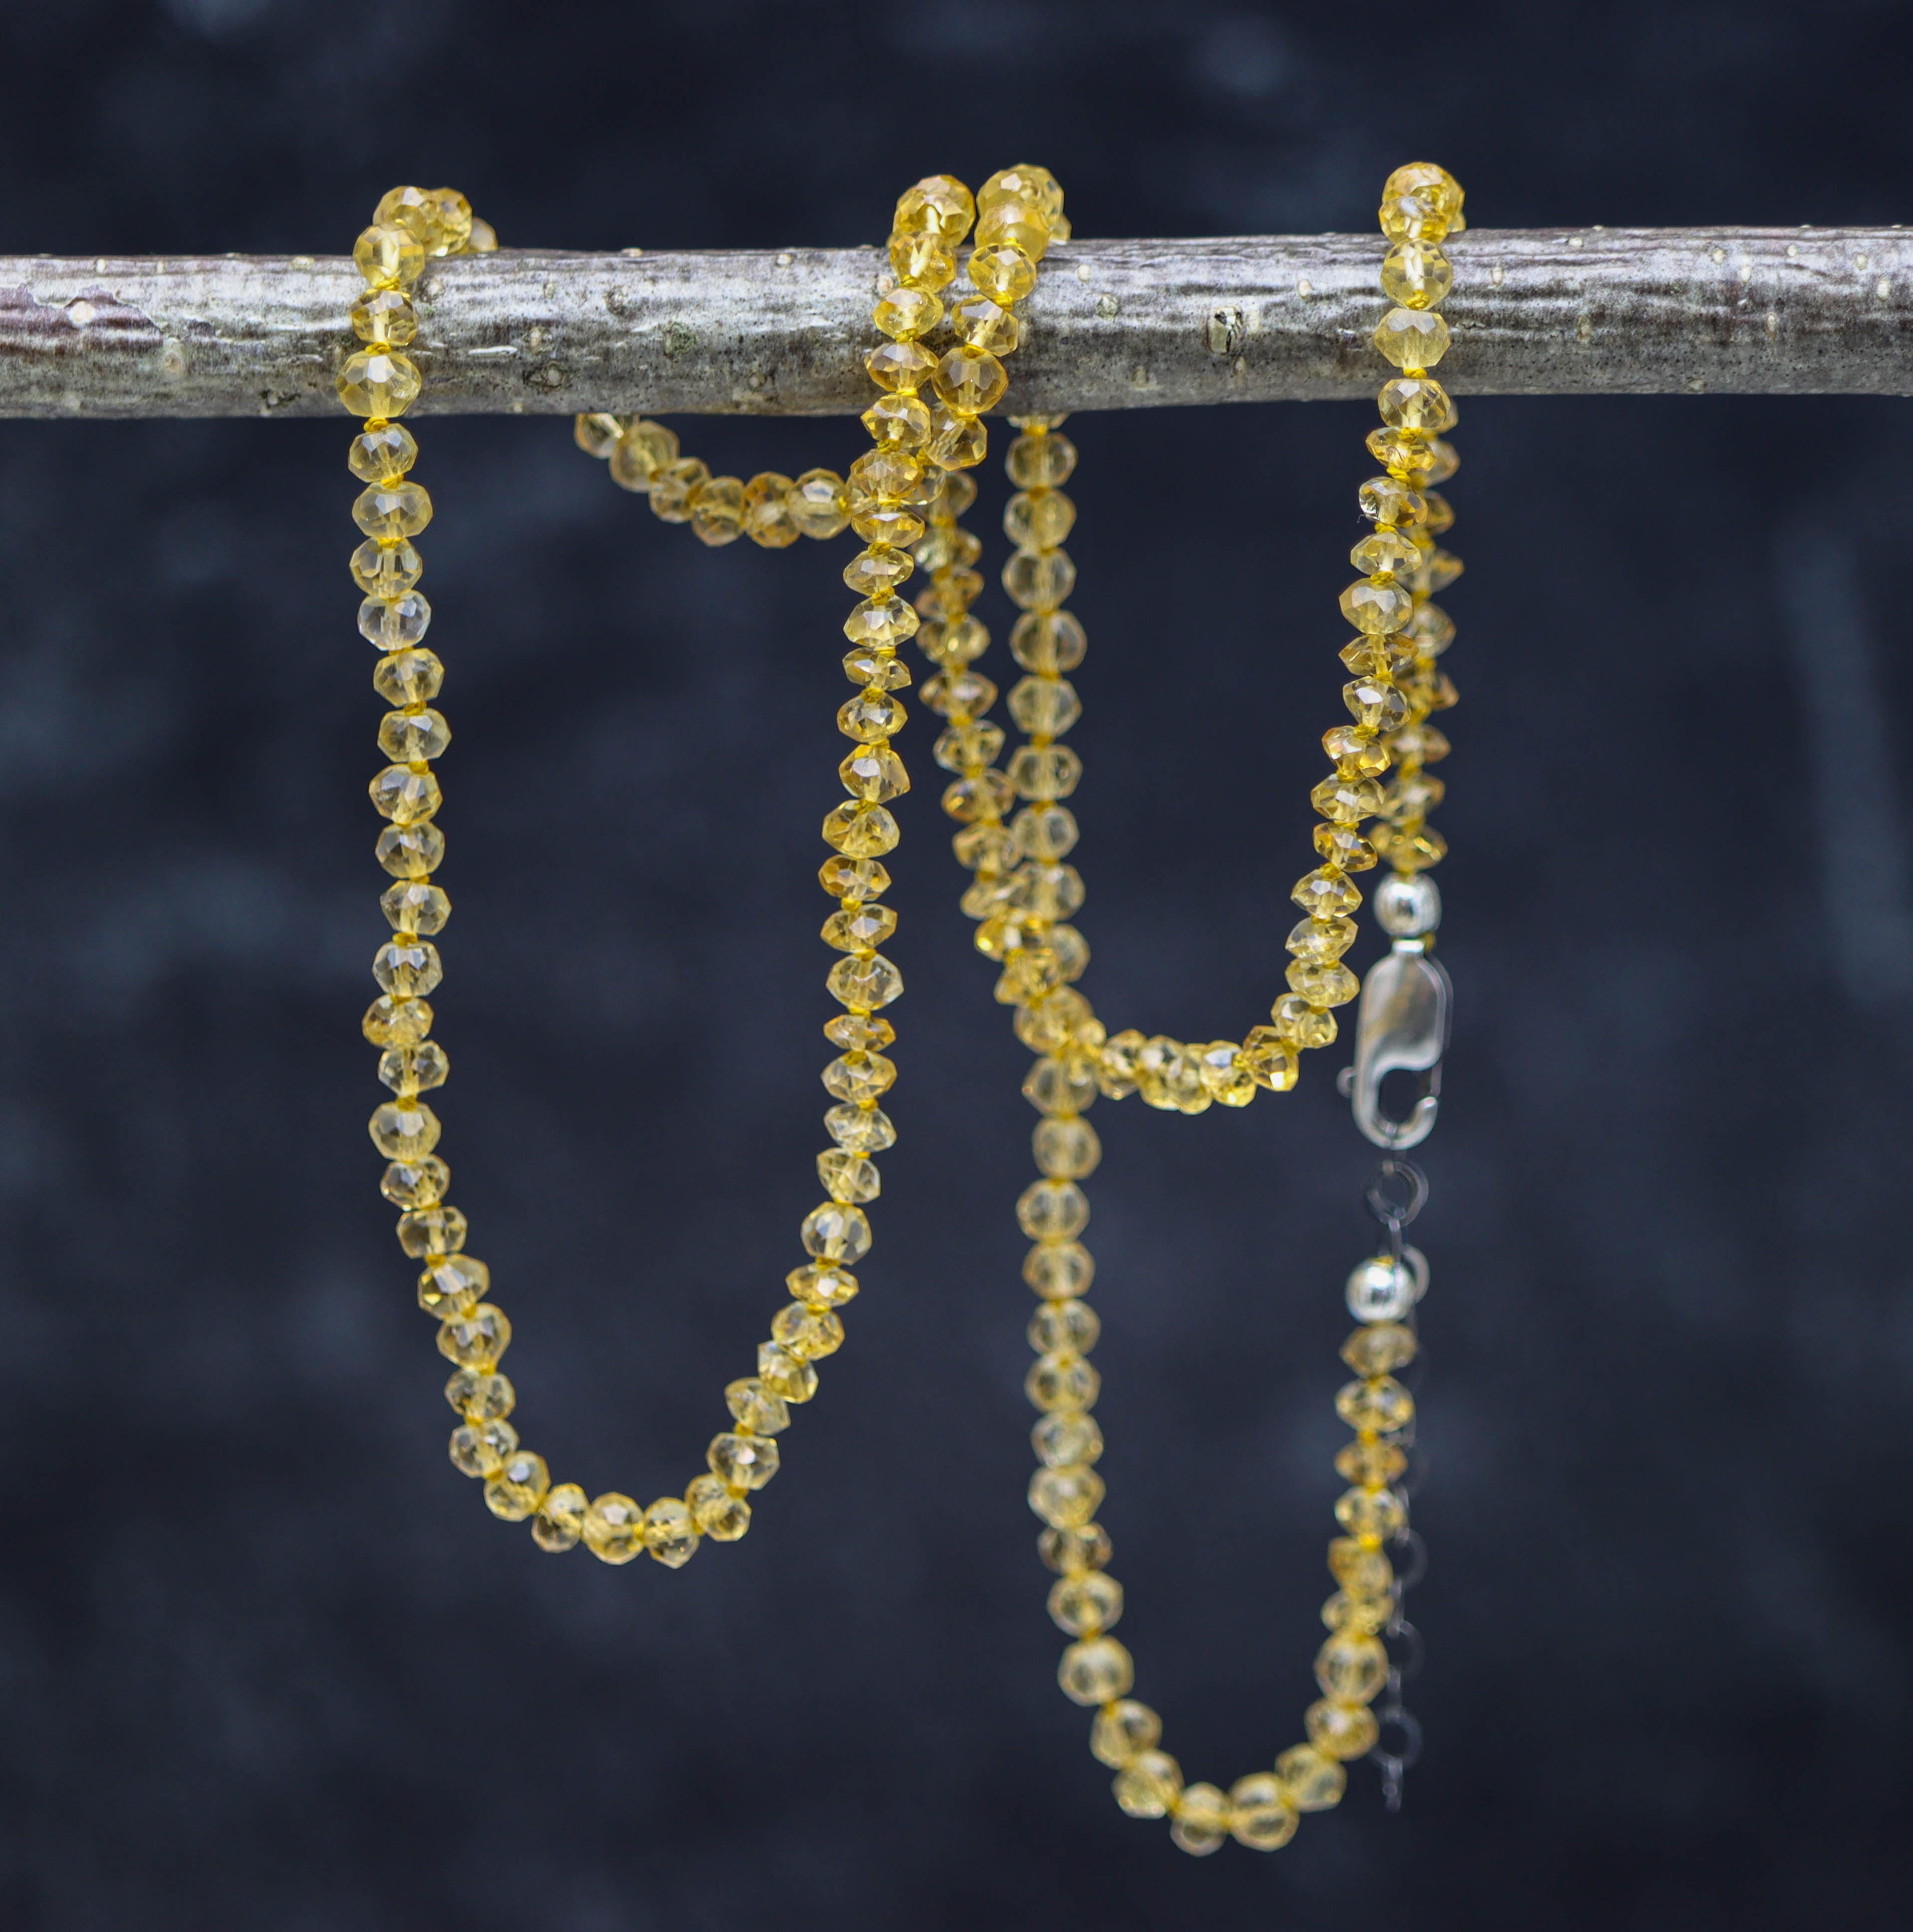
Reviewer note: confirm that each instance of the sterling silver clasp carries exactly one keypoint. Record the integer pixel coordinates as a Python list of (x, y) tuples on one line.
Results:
[(1401, 1025)]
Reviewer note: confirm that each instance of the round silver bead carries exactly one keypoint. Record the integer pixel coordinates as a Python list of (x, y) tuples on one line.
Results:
[(1408, 905)]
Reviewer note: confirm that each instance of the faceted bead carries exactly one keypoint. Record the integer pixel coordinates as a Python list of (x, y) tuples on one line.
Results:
[(901, 366), (597, 432), (1015, 224), (906, 312), (969, 747), (988, 795), (378, 382), (1071, 1552), (1351, 1669), (1060, 1086), (481, 1395), (958, 441), (673, 487), (1095, 1670), (1123, 1731), (400, 509), (1039, 580), (1347, 801), (971, 380), (1439, 514), (1412, 338), (391, 623), (1067, 1498), (1005, 273), (716, 1512), (1066, 1149), (716, 511), (1200, 1820), (1381, 1404), (1269, 1060), (1038, 521), (559, 1521), (612, 1527), (1379, 1348), (1416, 274), (1374, 704), (1044, 772), (414, 1069), (412, 737), (1361, 1569), (670, 1533), (1326, 893), (864, 831), (1416, 402), (939, 204), (1377, 608), (391, 1022), (742, 1461), (1064, 1328), (1387, 499), (955, 640), (755, 1409), (817, 503), (806, 1333), (1323, 985), (440, 219), (1148, 1784), (1410, 851), (784, 1374), (1058, 1020), (1119, 1066), (1304, 1025), (1371, 1514), (1341, 1730), (1364, 1615), (1059, 1271), (873, 773), (848, 1177), (1085, 1604), (861, 1130), (877, 570), (767, 511), (859, 1076), (1260, 1815), (404, 1129), (1023, 182), (439, 1230), (882, 622), (386, 571), (1064, 1436), (858, 1033), (1344, 848), (1385, 551), (415, 1183), (517, 1490), (1318, 940), (453, 1286), (985, 325), (475, 1338), (408, 677), (872, 715), (1370, 1463), (885, 523), (1313, 1781), (1169, 1075), (836, 1231), (1421, 203), (407, 968), (922, 260), (1053, 1210), (870, 667), (384, 318), (861, 930), (853, 879), (1046, 891), (1407, 906), (864, 984), (480, 1448), (388, 256), (644, 452), (961, 693), (1045, 707)]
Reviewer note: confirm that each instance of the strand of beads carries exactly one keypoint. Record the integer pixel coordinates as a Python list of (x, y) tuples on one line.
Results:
[(379, 384), (1022, 890), (771, 509)]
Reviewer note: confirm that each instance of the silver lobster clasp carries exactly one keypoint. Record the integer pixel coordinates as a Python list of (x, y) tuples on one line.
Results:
[(1401, 1025)]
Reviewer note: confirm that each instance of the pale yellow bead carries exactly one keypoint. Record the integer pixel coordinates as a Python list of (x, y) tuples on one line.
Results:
[(613, 1526), (670, 1533), (1200, 1820), (1095, 1670), (1149, 1784), (1123, 1730), (1313, 1781), (717, 1513), (559, 1522), (1260, 1814)]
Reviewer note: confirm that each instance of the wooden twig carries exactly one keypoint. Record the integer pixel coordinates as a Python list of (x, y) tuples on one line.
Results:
[(1115, 325)]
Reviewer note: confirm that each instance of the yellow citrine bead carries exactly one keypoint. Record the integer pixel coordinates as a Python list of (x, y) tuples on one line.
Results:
[(817, 505), (1379, 1405), (1305, 1025), (836, 1231), (1417, 402), (1370, 1463), (1071, 1552), (784, 1374), (848, 1176), (378, 382), (385, 318), (1352, 1669), (613, 1526), (742, 1461), (1313, 1781), (1421, 203), (821, 1285), (1416, 274), (1124, 1731), (1260, 1814), (1149, 1784), (906, 313), (1014, 224), (806, 1333), (1378, 608), (480, 1395), (1371, 1514), (559, 1522), (1333, 986), (755, 1407), (452, 1285), (1378, 1348), (1199, 1820), (1005, 273), (1067, 1497), (718, 1513), (388, 256), (670, 1533), (939, 204), (404, 1129), (971, 380), (922, 260), (1086, 1605), (1360, 1568), (1412, 338), (518, 1489), (1062, 1382), (1341, 1730), (476, 1339), (1095, 1670), (1322, 939), (1269, 1060)]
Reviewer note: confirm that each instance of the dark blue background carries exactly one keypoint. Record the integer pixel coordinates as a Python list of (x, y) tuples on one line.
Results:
[(264, 1659)]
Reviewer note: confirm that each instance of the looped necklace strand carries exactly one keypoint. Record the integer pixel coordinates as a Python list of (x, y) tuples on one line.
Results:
[(881, 500), (1022, 895)]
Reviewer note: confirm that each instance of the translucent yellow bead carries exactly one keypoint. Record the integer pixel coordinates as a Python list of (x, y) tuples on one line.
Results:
[(859, 1032), (971, 380), (854, 879), (674, 486), (1260, 1815), (1352, 1669), (1059, 1271), (1314, 1782), (1416, 274), (1370, 1463), (404, 1129), (939, 204), (1015, 224), (957, 441), (805, 1332), (1378, 1347), (716, 511), (1347, 801), (900, 366), (433, 1232), (441, 218), (1383, 551), (1226, 1077), (1341, 1730), (378, 382), (1066, 1149), (408, 677), (906, 313), (1095, 1670), (1318, 940), (860, 1129), (1055, 1210), (1149, 1784), (1416, 402), (754, 1408), (1375, 1514), (864, 984), (644, 452), (1199, 1820), (882, 622), (872, 715), (1364, 1615), (848, 1176), (388, 256), (407, 1070), (1060, 1020), (670, 1533), (382, 453), (874, 773), (1412, 339), (1045, 772), (1377, 608), (821, 1285), (1168, 1075), (1039, 580), (1327, 894), (397, 1022), (598, 432), (865, 831), (1062, 1382), (398, 509), (476, 1339), (1269, 1060), (1387, 499), (1065, 1436), (1047, 705), (1380, 1405), (1375, 703), (391, 623), (1421, 203), (453, 1285), (1331, 985), (858, 930), (411, 737), (1071, 1552), (1086, 1604), (1405, 454), (405, 967), (860, 1076), (1067, 1497), (718, 1513), (742, 1461), (1297, 1021), (480, 1395), (986, 325), (385, 318), (1361, 1570), (1004, 273), (1025, 182), (817, 503), (961, 693), (1064, 1327), (559, 1522), (767, 521), (1123, 1731), (613, 1526), (968, 748), (386, 571), (415, 1183), (836, 1231), (1344, 847), (988, 796), (922, 260), (479, 1449), (785, 1374), (518, 1489)]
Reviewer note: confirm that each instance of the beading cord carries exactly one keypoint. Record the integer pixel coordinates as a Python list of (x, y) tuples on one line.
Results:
[(1021, 895), (379, 383)]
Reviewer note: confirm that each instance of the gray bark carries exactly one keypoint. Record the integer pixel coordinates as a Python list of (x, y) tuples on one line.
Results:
[(1113, 325)]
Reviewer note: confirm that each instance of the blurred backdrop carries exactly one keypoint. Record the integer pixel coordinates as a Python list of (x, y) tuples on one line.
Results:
[(265, 1660)]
